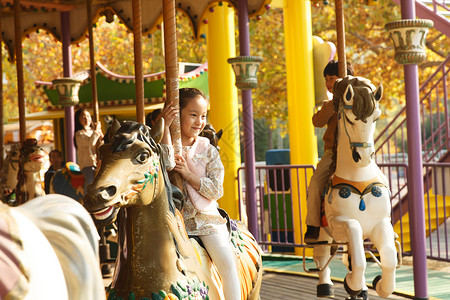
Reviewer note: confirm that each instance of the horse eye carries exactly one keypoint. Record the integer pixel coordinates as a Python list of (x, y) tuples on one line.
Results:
[(142, 157)]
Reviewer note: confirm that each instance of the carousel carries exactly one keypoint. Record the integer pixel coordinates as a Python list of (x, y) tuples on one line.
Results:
[(168, 264)]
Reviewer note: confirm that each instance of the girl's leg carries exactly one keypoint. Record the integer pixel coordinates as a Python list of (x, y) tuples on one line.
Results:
[(219, 248)]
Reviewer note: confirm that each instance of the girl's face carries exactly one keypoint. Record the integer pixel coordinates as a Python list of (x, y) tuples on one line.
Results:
[(85, 119), (193, 118)]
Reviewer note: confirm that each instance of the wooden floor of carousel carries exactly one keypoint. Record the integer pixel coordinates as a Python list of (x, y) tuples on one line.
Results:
[(284, 286)]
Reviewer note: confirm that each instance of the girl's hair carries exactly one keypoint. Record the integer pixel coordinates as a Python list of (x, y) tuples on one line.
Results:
[(187, 94), (78, 125)]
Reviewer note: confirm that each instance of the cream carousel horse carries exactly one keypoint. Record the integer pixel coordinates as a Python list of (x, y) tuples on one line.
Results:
[(357, 201), (48, 250), (31, 161), (156, 258), (8, 178)]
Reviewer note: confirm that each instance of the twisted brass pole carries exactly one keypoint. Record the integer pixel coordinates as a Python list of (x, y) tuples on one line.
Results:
[(172, 93), (340, 30), (92, 63), (19, 68), (139, 74)]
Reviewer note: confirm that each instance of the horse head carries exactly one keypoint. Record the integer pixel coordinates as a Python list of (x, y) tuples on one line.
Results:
[(31, 156), (356, 99), (213, 136), (129, 172)]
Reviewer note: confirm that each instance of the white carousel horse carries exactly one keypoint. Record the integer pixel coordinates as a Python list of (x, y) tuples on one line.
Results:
[(357, 201), (49, 250)]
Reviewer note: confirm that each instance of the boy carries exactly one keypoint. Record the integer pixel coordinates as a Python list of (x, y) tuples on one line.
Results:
[(325, 116)]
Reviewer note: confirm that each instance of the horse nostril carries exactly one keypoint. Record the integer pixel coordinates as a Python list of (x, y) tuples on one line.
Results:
[(108, 192)]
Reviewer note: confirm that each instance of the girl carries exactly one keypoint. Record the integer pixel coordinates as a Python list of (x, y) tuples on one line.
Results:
[(202, 172), (87, 138)]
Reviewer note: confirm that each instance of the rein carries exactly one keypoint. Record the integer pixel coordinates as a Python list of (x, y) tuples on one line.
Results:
[(11, 161), (352, 144)]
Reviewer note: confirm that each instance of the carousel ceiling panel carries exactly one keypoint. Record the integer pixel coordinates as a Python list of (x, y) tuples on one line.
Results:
[(46, 15)]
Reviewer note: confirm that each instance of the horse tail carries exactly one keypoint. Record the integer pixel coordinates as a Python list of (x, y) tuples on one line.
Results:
[(249, 262)]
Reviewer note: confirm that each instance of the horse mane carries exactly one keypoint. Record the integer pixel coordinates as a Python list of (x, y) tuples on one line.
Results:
[(363, 103), (26, 148), (73, 236), (127, 134), (363, 100), (5, 168)]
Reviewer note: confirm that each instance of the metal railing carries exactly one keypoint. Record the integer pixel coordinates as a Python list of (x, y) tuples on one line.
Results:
[(435, 121), (282, 188)]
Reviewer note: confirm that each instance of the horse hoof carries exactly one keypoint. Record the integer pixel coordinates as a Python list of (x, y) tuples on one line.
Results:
[(349, 290), (364, 295), (375, 282), (325, 290)]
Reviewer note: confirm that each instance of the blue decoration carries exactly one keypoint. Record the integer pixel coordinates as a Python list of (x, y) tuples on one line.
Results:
[(376, 191), (362, 205), (344, 192)]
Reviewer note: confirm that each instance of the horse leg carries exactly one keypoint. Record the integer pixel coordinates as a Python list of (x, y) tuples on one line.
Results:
[(321, 254), (383, 239), (355, 280)]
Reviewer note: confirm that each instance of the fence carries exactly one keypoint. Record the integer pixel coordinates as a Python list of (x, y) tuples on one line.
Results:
[(278, 192)]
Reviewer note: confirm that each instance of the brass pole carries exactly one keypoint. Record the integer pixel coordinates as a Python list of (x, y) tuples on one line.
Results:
[(172, 93), (92, 63), (19, 68), (171, 59), (139, 74), (340, 30)]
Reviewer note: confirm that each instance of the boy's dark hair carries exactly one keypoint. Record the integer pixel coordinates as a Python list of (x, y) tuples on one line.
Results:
[(332, 69), (189, 93)]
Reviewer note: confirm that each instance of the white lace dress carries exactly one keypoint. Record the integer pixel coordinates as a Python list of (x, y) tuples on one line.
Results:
[(208, 221)]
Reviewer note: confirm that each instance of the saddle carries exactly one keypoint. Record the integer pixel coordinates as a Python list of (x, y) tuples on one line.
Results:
[(225, 215)]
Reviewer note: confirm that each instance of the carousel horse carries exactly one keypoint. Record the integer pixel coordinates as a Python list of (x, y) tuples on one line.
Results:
[(31, 160), (8, 179), (357, 198), (48, 250), (156, 259)]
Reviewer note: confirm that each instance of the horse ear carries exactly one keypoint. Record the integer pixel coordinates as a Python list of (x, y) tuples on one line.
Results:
[(158, 131), (219, 134), (348, 95), (378, 92), (113, 129)]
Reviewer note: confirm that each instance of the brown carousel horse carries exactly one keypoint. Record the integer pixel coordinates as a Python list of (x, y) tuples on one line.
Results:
[(31, 160), (156, 258), (8, 179)]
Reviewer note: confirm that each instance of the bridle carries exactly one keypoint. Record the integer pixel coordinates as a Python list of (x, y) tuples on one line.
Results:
[(353, 145)]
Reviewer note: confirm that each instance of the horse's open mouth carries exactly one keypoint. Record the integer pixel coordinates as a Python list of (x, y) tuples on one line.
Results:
[(105, 216), (37, 158)]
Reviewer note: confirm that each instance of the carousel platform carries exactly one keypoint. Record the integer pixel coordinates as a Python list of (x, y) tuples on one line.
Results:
[(284, 278), (285, 272)]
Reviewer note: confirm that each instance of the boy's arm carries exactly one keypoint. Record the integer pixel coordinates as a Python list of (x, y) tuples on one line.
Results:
[(321, 118)]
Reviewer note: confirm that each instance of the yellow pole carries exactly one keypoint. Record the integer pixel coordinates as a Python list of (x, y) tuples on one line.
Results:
[(300, 92), (223, 95)]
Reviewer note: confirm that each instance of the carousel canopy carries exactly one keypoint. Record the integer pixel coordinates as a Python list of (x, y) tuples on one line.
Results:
[(46, 15), (116, 93)]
